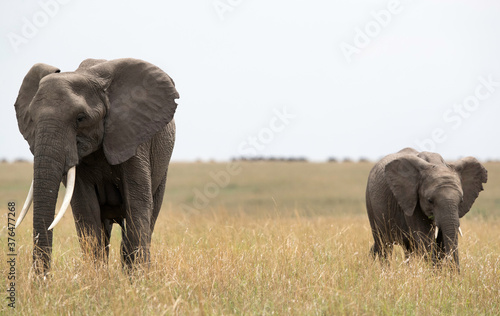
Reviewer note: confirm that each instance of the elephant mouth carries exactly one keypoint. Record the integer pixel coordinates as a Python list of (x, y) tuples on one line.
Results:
[(83, 148)]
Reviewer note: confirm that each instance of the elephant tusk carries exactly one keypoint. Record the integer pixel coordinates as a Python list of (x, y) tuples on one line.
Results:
[(436, 233), (67, 197), (26, 207), (460, 232)]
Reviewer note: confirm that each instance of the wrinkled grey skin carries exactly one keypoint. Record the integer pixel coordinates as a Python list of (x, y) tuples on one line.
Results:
[(410, 193), (113, 120)]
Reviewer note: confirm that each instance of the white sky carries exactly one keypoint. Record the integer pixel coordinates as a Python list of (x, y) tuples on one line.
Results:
[(233, 73)]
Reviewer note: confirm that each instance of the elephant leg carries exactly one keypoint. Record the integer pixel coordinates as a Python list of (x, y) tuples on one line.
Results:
[(135, 244), (124, 244), (375, 250), (421, 234), (157, 201), (424, 245), (139, 210), (107, 226), (381, 251), (86, 212), (408, 248), (381, 247)]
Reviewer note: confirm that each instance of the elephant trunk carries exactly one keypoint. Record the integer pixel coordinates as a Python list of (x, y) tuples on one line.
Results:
[(449, 228), (49, 166)]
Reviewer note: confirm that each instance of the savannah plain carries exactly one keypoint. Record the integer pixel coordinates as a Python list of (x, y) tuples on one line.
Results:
[(280, 238)]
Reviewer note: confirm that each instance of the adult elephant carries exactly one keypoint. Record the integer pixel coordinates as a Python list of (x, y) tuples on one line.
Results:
[(416, 200), (107, 132)]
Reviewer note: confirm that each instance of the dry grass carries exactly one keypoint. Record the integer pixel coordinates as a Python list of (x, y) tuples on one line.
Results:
[(281, 238)]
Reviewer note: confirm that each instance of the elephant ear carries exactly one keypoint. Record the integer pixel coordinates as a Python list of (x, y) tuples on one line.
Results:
[(403, 177), (473, 175), (141, 102), (29, 87)]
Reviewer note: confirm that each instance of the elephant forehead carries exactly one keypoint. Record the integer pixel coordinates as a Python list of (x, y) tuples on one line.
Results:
[(70, 89), (448, 180), (56, 96), (65, 83)]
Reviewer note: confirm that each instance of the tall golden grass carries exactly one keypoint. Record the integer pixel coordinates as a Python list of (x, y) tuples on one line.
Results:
[(280, 238)]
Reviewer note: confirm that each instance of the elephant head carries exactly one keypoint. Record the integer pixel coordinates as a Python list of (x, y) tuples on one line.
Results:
[(444, 192), (110, 105)]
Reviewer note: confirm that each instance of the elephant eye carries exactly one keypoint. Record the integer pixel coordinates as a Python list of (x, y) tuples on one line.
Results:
[(80, 117), (431, 201)]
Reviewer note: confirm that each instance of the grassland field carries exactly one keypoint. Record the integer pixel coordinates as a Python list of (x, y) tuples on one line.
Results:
[(273, 238)]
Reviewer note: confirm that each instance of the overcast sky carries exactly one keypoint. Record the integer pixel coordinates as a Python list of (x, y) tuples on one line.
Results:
[(310, 78)]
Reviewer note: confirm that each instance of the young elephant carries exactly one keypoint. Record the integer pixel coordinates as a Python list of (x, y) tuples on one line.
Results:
[(416, 199)]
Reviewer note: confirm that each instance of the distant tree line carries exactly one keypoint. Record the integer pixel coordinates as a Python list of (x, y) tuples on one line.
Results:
[(296, 159), (347, 160), (261, 158), (17, 160)]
